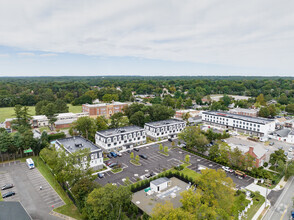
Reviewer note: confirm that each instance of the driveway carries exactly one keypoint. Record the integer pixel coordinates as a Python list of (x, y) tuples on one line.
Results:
[(38, 203), (157, 163)]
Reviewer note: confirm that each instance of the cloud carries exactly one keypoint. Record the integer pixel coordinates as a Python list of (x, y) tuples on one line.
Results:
[(4, 55), (25, 54), (48, 55), (237, 33)]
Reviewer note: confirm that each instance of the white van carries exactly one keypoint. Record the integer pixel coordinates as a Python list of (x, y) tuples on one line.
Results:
[(30, 163)]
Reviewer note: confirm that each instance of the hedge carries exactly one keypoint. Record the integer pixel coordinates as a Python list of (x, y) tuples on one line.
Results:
[(52, 137)]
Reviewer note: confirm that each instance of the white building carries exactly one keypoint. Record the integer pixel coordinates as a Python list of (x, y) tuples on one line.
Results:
[(260, 127), (285, 135), (73, 144), (120, 138), (160, 184), (39, 121), (164, 129)]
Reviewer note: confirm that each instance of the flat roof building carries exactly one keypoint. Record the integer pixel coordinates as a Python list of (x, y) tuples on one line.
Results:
[(260, 127), (164, 129), (76, 143), (104, 109), (122, 138), (244, 111)]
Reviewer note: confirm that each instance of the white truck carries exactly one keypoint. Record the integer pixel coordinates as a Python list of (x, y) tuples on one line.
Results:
[(30, 163)]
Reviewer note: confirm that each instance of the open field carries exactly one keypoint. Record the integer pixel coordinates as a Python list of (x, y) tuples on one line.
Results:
[(9, 111)]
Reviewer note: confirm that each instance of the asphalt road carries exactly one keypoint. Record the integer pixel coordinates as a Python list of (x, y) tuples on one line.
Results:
[(281, 210), (38, 203), (157, 163)]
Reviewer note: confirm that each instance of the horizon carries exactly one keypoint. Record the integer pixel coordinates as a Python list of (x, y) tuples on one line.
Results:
[(145, 38)]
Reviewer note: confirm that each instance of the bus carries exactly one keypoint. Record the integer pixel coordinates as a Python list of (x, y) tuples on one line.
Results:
[(240, 173), (30, 163)]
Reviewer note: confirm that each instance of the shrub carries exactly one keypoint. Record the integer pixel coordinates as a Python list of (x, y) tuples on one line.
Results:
[(265, 164), (56, 136)]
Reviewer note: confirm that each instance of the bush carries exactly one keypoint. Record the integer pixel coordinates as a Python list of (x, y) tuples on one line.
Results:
[(265, 164), (56, 136)]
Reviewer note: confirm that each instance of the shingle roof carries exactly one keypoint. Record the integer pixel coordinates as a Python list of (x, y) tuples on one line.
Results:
[(283, 132), (13, 210)]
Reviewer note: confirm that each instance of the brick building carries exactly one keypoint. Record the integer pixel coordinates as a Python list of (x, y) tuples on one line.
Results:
[(104, 109)]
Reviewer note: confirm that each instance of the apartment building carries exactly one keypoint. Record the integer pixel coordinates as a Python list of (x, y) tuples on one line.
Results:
[(104, 109), (260, 127), (244, 111), (120, 138), (73, 144), (164, 129)]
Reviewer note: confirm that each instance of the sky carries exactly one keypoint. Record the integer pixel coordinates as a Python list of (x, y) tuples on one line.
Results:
[(146, 37)]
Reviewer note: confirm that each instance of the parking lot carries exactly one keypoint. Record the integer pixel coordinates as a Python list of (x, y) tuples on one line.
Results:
[(38, 203), (157, 163)]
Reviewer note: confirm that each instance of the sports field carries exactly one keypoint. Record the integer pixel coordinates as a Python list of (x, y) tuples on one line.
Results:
[(9, 111)]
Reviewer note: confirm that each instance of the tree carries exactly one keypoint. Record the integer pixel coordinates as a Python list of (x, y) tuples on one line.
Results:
[(186, 116), (137, 158), (278, 155), (165, 149), (108, 202), (82, 188), (118, 120), (86, 126), (110, 97), (138, 119), (214, 152), (283, 99), (188, 103), (260, 100), (101, 123), (264, 112), (160, 147), (290, 108), (272, 110), (22, 117), (179, 103), (187, 158), (193, 137), (226, 100), (132, 155), (235, 157), (60, 106)]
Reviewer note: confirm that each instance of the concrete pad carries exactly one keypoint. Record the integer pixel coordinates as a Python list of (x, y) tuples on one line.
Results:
[(253, 187)]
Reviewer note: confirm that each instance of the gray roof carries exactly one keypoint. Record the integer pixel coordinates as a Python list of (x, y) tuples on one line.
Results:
[(240, 117), (121, 130), (283, 132), (73, 144), (160, 181), (13, 210), (164, 122)]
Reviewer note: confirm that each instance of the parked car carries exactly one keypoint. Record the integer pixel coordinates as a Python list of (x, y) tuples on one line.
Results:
[(170, 140), (281, 148), (227, 169), (118, 153), (290, 157), (286, 153), (143, 156), (113, 165), (100, 175), (113, 154), (129, 151), (11, 193), (271, 143), (136, 149), (148, 175), (182, 145), (7, 186), (290, 149), (109, 155), (108, 162)]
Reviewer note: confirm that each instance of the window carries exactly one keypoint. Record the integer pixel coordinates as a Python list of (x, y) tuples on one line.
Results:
[(108, 140), (138, 134)]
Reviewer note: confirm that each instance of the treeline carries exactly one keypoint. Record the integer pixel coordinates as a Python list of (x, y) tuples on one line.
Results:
[(79, 90)]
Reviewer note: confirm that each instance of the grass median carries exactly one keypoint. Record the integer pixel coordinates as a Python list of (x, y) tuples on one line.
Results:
[(69, 208), (1, 199)]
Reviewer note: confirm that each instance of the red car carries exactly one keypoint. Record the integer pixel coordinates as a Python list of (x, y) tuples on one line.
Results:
[(108, 162)]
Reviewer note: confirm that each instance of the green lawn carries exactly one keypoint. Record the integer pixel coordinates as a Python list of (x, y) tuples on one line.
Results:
[(164, 153), (69, 209), (8, 112), (116, 170), (256, 205), (1, 199)]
